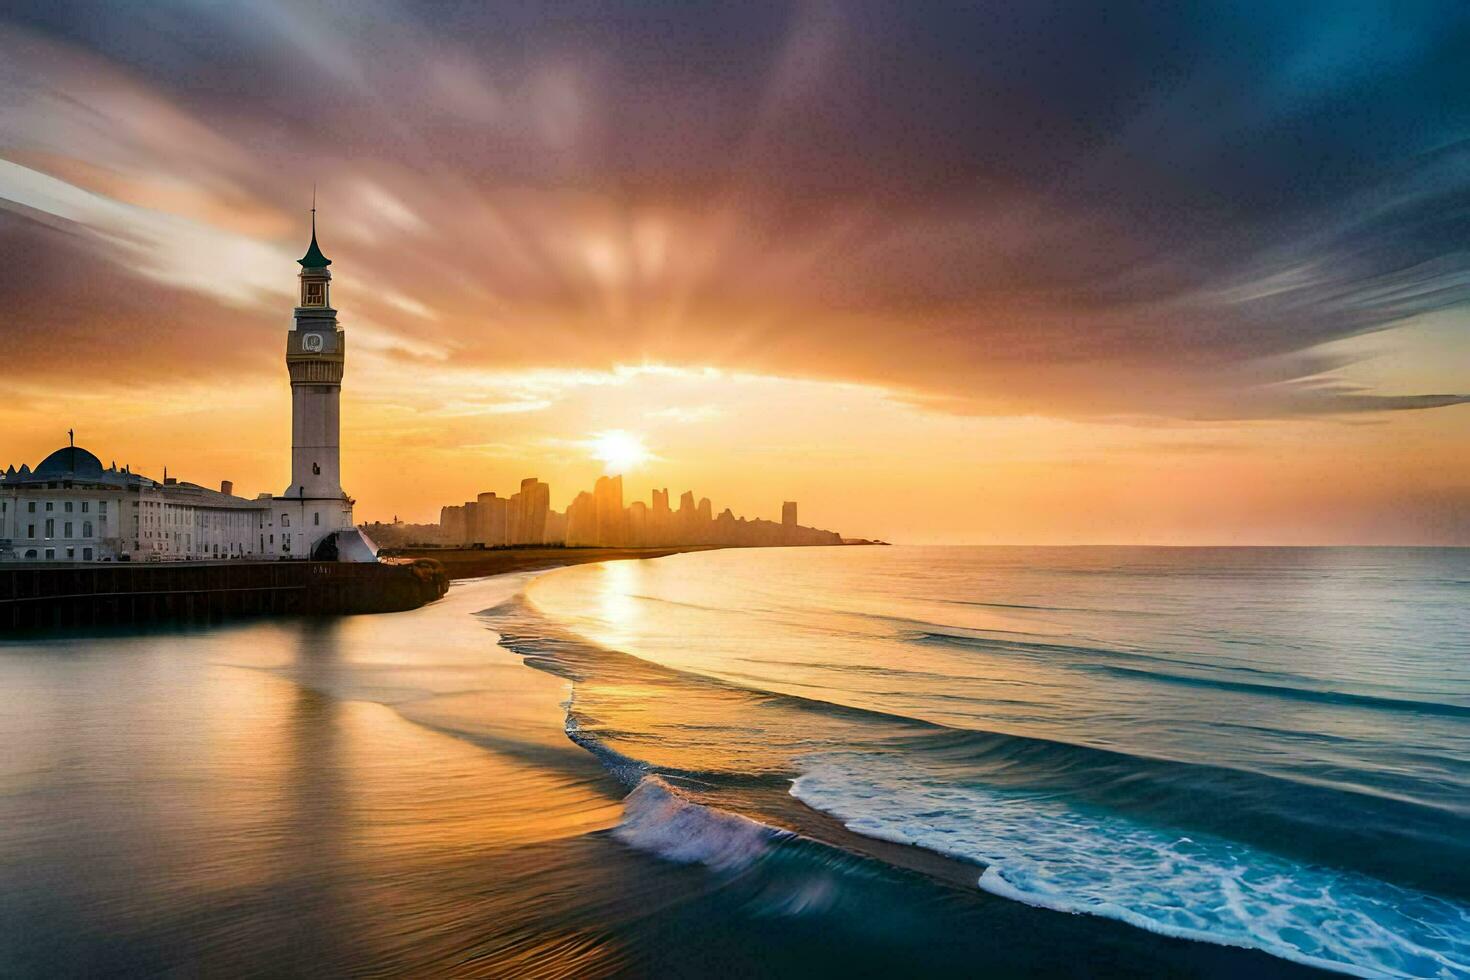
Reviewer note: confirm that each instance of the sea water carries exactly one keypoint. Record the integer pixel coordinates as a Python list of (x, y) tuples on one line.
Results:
[(591, 773), (1265, 748)]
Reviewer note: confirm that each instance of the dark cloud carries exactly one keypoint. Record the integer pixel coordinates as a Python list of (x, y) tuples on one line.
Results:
[(1031, 207)]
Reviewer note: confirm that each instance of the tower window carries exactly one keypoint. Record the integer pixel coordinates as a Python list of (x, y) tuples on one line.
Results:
[(313, 294)]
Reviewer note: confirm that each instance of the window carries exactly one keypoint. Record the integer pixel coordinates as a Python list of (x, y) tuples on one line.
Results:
[(86, 529), (86, 554), (102, 506), (285, 520), (66, 529), (49, 505), (314, 294), (30, 552), (86, 505), (316, 518), (286, 543), (50, 527), (50, 552), (30, 530), (68, 506), (30, 507), (71, 553)]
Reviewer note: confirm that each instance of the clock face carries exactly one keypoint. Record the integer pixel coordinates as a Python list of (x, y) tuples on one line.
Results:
[(312, 342)]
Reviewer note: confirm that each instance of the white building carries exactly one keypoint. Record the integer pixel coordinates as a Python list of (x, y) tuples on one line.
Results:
[(71, 509)]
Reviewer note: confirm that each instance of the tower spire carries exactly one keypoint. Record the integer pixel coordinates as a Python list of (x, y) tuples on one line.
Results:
[(313, 259)]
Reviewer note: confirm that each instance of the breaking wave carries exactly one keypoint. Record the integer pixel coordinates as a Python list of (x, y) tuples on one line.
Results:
[(1048, 852), (657, 818)]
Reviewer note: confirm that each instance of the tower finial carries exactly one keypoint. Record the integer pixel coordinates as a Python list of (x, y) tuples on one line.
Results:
[(71, 437), (314, 259)]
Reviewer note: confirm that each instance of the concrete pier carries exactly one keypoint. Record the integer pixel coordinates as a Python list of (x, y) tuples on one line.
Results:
[(42, 596)]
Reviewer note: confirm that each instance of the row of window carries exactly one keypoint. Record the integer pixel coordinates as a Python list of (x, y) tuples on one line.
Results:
[(71, 554), (66, 529), (67, 506)]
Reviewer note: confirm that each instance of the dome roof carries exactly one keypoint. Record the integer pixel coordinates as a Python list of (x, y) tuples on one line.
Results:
[(69, 461)]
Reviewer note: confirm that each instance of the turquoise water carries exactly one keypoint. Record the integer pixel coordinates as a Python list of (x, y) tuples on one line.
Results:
[(1265, 748)]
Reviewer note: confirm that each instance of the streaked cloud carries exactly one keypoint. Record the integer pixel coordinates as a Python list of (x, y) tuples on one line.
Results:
[(965, 221)]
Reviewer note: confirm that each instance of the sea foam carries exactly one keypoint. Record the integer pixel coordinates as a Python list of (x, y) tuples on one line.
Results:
[(657, 818), (1045, 851)]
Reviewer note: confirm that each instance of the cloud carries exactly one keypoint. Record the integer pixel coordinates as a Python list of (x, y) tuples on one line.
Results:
[(1148, 214)]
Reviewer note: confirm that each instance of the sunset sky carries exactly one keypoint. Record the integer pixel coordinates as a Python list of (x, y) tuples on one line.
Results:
[(1029, 272)]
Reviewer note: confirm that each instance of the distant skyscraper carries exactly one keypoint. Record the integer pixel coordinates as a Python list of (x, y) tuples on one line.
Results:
[(535, 504), (608, 495), (491, 514)]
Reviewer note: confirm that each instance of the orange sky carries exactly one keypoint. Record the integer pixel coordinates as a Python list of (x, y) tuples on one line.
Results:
[(918, 337)]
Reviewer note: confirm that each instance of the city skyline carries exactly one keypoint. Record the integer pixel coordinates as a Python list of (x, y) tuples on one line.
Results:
[(1232, 313), (600, 518)]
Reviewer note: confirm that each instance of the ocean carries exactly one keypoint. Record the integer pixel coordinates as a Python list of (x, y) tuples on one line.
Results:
[(865, 761)]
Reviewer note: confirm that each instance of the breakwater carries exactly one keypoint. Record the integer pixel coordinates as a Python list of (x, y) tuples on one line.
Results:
[(75, 595)]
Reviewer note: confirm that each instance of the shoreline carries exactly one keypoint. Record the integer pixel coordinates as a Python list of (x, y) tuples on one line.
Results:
[(466, 563)]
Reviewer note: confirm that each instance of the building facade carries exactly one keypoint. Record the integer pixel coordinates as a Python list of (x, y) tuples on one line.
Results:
[(69, 508)]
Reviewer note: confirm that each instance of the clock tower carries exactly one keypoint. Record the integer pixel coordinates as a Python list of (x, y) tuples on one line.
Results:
[(314, 505)]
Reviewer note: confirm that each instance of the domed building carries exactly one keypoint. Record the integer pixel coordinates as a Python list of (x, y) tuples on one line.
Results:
[(71, 508)]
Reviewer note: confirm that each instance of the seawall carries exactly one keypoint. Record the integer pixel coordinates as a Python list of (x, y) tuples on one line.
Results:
[(75, 595)]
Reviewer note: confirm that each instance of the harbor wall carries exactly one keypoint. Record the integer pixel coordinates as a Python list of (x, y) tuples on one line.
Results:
[(107, 593)]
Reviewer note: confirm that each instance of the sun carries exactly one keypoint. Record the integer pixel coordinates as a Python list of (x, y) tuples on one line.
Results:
[(619, 451)]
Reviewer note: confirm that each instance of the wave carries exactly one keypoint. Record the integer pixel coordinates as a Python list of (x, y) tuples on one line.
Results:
[(1415, 837), (1374, 701), (659, 819), (1042, 608), (1050, 852), (1292, 685)]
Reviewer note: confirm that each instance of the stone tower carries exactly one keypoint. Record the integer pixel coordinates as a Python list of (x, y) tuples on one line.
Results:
[(315, 354)]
